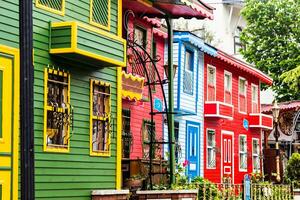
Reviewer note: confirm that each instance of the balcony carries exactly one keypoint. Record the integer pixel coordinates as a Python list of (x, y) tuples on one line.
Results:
[(132, 86), (259, 120), (218, 109), (87, 44)]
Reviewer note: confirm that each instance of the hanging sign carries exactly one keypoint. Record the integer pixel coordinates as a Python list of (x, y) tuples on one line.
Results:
[(247, 187), (158, 105), (246, 124)]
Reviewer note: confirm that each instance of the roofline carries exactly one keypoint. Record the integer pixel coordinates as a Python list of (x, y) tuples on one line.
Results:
[(234, 61)]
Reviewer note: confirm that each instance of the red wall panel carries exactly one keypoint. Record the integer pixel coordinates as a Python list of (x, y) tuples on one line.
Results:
[(235, 125)]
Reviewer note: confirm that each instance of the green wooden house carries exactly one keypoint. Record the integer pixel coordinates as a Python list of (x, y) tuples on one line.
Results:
[(78, 54)]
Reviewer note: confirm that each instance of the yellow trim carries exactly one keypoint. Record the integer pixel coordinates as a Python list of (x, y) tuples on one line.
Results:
[(16, 89), (119, 129), (119, 107), (58, 12), (108, 17), (74, 49), (92, 117), (53, 148), (131, 95), (120, 18), (133, 77)]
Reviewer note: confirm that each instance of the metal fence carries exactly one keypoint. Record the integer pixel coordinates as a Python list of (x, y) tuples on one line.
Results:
[(236, 192)]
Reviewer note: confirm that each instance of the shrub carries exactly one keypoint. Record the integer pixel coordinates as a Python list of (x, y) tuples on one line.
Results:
[(292, 171)]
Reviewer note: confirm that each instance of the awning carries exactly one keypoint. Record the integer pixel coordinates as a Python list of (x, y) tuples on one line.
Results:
[(185, 8), (172, 8)]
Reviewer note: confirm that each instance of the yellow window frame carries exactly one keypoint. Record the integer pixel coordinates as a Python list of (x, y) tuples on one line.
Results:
[(54, 148), (106, 153), (58, 12), (92, 22)]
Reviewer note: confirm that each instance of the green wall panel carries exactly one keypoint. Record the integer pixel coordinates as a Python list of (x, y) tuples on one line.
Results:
[(75, 174), (61, 37)]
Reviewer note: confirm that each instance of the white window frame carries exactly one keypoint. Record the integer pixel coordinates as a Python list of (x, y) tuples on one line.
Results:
[(256, 155), (230, 74), (212, 147), (215, 81), (246, 87), (256, 86), (243, 152)]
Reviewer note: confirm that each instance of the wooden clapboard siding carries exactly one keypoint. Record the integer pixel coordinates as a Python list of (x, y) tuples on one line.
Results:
[(193, 103), (71, 175), (235, 125), (9, 23)]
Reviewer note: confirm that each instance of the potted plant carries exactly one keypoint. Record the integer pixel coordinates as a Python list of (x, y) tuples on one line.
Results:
[(134, 182)]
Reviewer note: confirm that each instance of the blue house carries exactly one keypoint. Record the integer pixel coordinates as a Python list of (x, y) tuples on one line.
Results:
[(188, 55)]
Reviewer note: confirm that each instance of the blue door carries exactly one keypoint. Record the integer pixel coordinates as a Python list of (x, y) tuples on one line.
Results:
[(192, 149)]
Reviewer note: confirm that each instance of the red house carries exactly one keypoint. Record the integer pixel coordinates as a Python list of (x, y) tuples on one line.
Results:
[(145, 39), (233, 121)]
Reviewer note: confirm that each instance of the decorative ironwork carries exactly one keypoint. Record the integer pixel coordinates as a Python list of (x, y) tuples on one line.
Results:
[(53, 4), (59, 110), (143, 64)]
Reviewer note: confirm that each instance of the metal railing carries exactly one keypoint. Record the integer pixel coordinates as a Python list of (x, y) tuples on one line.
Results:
[(227, 191)]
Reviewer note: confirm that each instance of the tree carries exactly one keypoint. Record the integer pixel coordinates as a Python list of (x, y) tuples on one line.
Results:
[(272, 40)]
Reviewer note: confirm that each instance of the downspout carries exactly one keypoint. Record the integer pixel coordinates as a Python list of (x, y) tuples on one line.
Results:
[(26, 100), (171, 137)]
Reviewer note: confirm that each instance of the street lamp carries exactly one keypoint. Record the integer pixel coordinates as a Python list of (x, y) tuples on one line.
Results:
[(275, 111)]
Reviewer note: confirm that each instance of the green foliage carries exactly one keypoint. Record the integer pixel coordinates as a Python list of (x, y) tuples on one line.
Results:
[(292, 78), (272, 39), (292, 171)]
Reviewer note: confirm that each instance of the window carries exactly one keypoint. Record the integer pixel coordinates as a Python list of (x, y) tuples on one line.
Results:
[(188, 76), (237, 42), (54, 6), (100, 13), (254, 91), (147, 139), (126, 133), (255, 155), (242, 152), (211, 83), (140, 36), (100, 118), (227, 87), (211, 149), (57, 111), (242, 95)]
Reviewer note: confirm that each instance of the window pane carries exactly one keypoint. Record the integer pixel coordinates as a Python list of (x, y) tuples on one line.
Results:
[(140, 36), (242, 87), (211, 76), (100, 135), (227, 82), (211, 153), (189, 61)]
